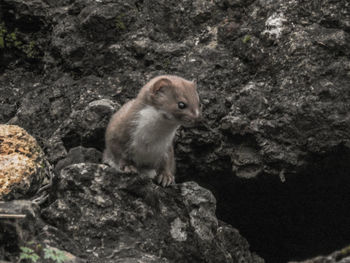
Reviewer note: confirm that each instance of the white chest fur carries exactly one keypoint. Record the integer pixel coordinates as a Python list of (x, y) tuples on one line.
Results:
[(151, 138)]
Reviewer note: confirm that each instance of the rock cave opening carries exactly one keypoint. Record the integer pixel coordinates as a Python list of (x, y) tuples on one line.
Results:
[(95, 139), (305, 216)]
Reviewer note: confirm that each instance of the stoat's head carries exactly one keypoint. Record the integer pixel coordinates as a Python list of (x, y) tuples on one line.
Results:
[(176, 98)]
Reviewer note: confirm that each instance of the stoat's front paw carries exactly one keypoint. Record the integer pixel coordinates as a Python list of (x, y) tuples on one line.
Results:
[(126, 167), (165, 179), (129, 169)]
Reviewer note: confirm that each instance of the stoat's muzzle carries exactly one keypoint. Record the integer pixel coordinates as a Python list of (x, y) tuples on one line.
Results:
[(192, 119)]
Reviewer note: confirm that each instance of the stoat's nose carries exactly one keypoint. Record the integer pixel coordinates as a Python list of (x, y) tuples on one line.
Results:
[(197, 113), (197, 116)]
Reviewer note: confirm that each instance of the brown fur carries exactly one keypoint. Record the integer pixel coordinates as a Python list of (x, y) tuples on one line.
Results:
[(158, 101)]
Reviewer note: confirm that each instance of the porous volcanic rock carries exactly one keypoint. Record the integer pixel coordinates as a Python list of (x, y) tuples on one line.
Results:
[(22, 163)]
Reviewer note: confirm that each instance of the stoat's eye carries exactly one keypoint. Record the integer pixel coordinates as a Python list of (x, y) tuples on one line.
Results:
[(181, 105)]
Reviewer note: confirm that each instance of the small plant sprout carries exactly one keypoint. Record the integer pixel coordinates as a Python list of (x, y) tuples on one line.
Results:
[(246, 38), (56, 255), (28, 253)]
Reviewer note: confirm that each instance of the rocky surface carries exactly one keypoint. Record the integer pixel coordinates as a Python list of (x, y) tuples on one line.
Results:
[(22, 163), (30, 232), (274, 83), (101, 216), (341, 256)]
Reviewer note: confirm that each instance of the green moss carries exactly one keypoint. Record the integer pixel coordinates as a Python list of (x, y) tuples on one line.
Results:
[(119, 24), (29, 50), (3, 32), (12, 36), (166, 63), (345, 251), (12, 40), (246, 38)]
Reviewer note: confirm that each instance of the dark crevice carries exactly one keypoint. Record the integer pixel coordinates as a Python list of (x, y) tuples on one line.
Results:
[(10, 239), (306, 216), (71, 140), (95, 140), (74, 139)]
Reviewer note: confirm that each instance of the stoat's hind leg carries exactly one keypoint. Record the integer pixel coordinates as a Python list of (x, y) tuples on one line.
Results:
[(108, 159), (121, 165), (148, 173)]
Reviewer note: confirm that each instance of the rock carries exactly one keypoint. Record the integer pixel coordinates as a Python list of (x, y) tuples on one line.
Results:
[(19, 234), (86, 127), (24, 39), (22, 163), (113, 223), (79, 155), (12, 236), (341, 256), (7, 111)]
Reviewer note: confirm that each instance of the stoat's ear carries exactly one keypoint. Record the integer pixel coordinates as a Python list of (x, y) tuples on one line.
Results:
[(160, 84)]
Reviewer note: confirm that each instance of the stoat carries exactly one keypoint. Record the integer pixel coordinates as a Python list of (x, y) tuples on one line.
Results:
[(139, 136)]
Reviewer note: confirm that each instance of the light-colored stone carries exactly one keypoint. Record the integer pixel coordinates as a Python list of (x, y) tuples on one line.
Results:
[(22, 163)]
